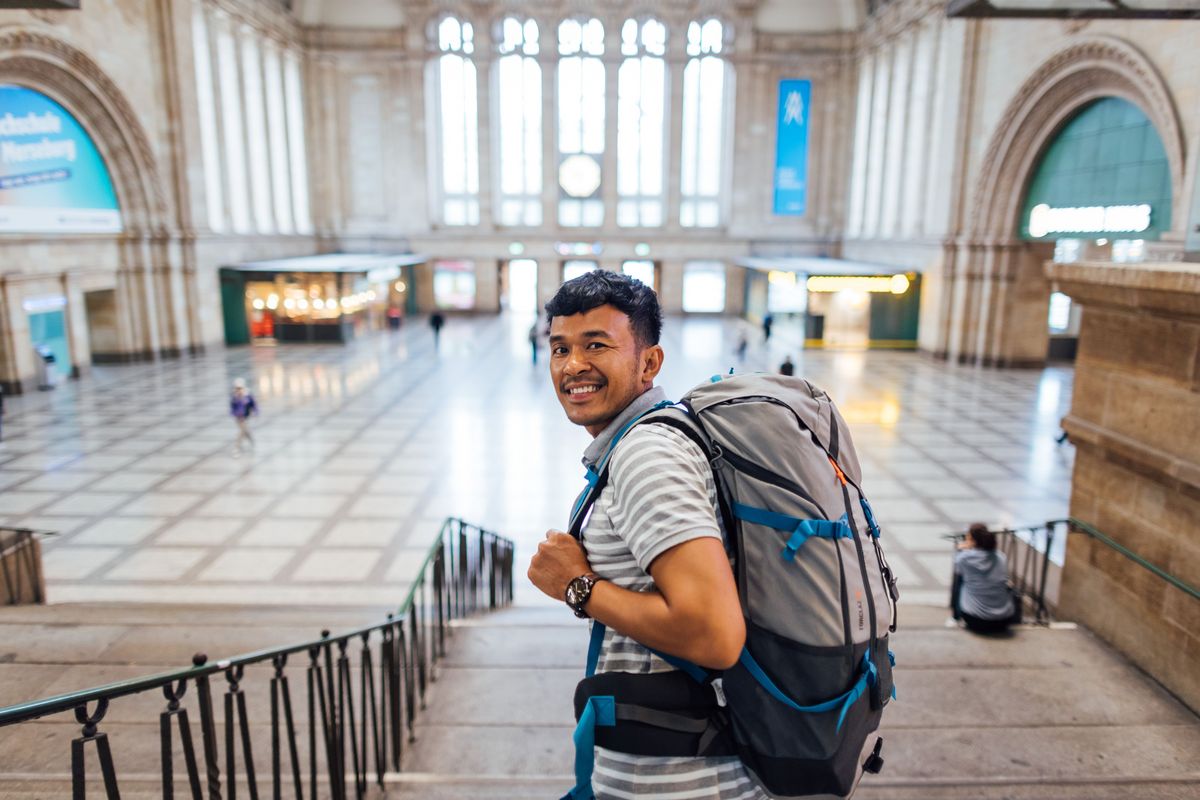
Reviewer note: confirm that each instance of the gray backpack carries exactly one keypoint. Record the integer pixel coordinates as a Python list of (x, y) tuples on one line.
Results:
[(802, 705)]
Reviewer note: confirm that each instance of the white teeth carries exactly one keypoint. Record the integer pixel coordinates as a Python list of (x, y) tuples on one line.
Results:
[(583, 389)]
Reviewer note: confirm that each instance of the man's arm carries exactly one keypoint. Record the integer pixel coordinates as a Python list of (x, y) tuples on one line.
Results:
[(692, 613)]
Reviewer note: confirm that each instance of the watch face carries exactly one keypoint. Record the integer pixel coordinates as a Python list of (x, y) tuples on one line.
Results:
[(574, 591)]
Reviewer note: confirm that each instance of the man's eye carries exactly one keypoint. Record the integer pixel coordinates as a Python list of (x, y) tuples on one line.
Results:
[(558, 351), (595, 346)]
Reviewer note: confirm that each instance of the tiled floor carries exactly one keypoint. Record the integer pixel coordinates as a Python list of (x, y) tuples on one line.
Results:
[(362, 450)]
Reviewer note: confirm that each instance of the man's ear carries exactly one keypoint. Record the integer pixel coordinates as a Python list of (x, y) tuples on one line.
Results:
[(652, 361)]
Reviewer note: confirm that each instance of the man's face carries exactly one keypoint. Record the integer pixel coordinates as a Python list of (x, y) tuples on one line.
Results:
[(597, 366)]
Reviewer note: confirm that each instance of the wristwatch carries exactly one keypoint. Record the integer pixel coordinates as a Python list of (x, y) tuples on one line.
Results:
[(579, 591)]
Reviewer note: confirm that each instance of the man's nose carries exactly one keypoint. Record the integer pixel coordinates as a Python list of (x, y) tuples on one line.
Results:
[(576, 362)]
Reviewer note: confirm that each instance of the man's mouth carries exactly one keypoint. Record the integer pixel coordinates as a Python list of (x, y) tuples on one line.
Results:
[(582, 391)]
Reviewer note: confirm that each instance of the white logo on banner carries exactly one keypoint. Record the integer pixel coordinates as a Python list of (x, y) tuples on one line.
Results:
[(1044, 220), (793, 109)]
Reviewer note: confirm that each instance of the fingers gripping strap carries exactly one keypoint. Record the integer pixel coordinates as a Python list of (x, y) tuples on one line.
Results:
[(868, 675), (802, 529), (600, 710)]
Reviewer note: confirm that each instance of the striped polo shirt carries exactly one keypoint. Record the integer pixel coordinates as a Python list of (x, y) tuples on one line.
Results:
[(660, 493)]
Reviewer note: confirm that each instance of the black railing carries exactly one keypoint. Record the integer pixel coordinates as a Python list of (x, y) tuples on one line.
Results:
[(1027, 552), (353, 732), (21, 567)]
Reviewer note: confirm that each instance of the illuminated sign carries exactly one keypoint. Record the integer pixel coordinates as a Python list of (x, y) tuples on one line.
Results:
[(52, 178), (879, 284), (1044, 220), (578, 248)]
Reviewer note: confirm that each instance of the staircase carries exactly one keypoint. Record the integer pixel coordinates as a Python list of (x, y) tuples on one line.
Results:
[(1047, 713)]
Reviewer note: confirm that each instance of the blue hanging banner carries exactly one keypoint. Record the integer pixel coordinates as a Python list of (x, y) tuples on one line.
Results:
[(791, 147)]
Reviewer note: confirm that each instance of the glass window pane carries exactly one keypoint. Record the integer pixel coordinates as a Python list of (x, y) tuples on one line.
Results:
[(454, 284), (703, 286), (574, 268), (640, 270), (704, 122)]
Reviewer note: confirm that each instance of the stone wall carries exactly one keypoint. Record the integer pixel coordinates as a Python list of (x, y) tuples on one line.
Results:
[(1135, 423)]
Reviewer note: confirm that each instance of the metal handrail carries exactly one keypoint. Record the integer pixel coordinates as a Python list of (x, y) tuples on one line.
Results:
[(1079, 526), (472, 569)]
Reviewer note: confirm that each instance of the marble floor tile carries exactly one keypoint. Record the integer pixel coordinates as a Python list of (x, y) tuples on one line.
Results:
[(312, 505), (382, 506), (62, 481), (126, 481), (361, 532), (14, 477), (207, 532), (229, 504), (248, 564), (118, 531), (331, 484), (74, 563), (15, 501), (162, 503), (156, 564), (280, 532), (890, 510), (330, 564)]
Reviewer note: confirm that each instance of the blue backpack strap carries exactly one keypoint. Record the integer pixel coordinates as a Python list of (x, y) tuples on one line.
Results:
[(600, 710), (872, 525), (594, 644), (802, 529), (868, 675)]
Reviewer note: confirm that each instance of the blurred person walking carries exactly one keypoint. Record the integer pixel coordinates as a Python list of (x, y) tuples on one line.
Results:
[(437, 322), (787, 367), (241, 406)]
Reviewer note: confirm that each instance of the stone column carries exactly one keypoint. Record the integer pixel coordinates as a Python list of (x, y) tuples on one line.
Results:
[(676, 62), (1135, 423), (488, 176), (75, 314)]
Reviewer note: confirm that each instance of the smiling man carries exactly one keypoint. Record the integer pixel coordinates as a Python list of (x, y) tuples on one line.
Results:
[(650, 564)]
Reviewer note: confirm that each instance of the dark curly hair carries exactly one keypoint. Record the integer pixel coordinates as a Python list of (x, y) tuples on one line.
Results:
[(983, 538), (601, 287)]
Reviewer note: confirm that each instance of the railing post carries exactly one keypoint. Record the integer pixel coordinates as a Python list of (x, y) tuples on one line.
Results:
[(173, 694), (1043, 613), (235, 708), (103, 750), (281, 695), (208, 730)]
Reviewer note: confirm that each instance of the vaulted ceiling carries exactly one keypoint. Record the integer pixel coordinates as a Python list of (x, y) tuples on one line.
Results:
[(774, 16)]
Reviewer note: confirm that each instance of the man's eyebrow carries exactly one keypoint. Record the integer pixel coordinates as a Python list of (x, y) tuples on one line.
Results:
[(558, 337)]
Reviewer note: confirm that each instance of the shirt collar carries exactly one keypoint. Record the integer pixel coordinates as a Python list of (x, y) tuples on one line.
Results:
[(641, 404)]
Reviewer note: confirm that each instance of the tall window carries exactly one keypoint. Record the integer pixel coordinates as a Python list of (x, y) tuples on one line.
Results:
[(520, 80), (256, 130), (277, 131), (458, 123), (231, 122), (641, 106), (705, 88), (297, 154), (580, 122), (206, 105)]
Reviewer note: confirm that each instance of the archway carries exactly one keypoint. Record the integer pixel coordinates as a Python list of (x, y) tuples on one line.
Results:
[(67, 76), (998, 295)]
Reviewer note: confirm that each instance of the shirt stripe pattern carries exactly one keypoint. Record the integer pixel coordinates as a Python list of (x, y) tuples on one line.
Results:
[(660, 494)]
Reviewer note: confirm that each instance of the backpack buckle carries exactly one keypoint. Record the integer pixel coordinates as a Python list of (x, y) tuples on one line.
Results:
[(719, 691)]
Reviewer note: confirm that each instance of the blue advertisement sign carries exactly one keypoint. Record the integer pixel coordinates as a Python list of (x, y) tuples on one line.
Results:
[(52, 178), (791, 147)]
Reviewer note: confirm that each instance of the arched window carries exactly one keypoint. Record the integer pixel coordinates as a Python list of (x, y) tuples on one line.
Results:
[(458, 128), (580, 122), (641, 114), (706, 85), (520, 106)]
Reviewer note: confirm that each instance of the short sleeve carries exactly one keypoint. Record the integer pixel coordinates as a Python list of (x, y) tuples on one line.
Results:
[(662, 492)]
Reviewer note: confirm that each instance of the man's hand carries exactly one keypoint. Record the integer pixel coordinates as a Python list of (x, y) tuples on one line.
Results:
[(559, 560)]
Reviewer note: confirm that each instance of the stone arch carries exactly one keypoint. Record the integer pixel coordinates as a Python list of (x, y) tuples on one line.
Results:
[(1086, 71), (997, 294), (75, 81)]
